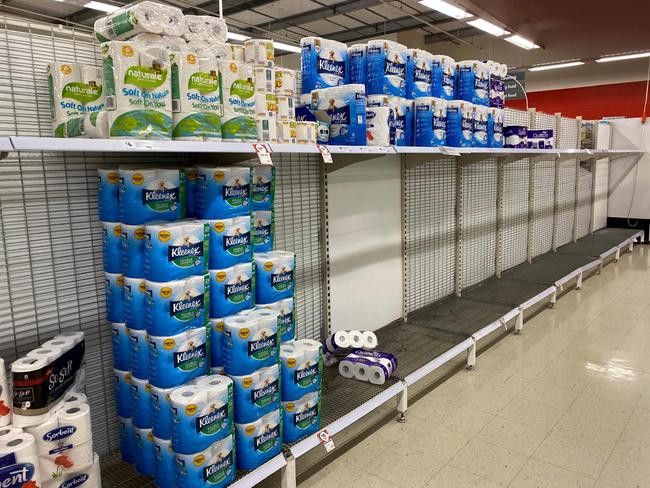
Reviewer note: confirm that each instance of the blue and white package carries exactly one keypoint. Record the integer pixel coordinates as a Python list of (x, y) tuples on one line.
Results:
[(164, 462), (258, 441), (325, 63), (230, 242), (358, 54), (202, 413), (223, 192), (515, 136), (140, 403), (346, 107), (175, 250), (191, 175), (443, 84), (144, 451), (135, 293), (474, 82), (161, 415), (127, 439), (301, 417), (231, 290), (177, 359), (139, 353), (460, 123), (286, 317), (256, 394), (176, 306), (108, 190), (213, 467), (121, 353), (498, 72), (387, 68), (480, 126), (419, 74), (151, 194), (430, 122), (249, 344), (112, 247), (380, 126), (262, 187), (404, 116), (274, 276), (540, 139), (114, 296), (133, 250), (495, 127), (216, 344), (122, 392), (263, 231), (302, 368)]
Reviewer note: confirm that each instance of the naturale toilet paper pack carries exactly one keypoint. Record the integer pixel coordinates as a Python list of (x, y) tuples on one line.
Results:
[(238, 95), (140, 17)]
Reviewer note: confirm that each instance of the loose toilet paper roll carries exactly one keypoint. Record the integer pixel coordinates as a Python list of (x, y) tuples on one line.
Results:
[(443, 77), (216, 463), (132, 250), (8, 432), (473, 82), (285, 82), (258, 441), (263, 230), (223, 192), (301, 417), (69, 425), (358, 63), (140, 17), (144, 451), (259, 52), (65, 460), (141, 403), (325, 63), (495, 127), (127, 439), (205, 26), (387, 68), (356, 339), (306, 132), (302, 366), (286, 132), (264, 81), (122, 392), (286, 109), (65, 83), (5, 400), (262, 188), (380, 126), (337, 341), (108, 189), (274, 276), (248, 345), (161, 419), (89, 477), (369, 339), (460, 123), (138, 353), (135, 293), (267, 129), (480, 126), (121, 351), (164, 462), (18, 452), (346, 368), (112, 244), (419, 74), (430, 122), (238, 90), (346, 107), (230, 242), (177, 359), (256, 394), (231, 290)]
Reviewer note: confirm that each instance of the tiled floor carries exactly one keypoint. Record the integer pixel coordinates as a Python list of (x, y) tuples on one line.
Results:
[(565, 404)]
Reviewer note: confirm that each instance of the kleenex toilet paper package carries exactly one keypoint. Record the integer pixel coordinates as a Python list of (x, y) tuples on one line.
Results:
[(430, 122), (495, 127), (302, 368), (346, 107), (231, 290), (300, 417), (108, 189), (138, 353), (443, 84), (127, 439), (474, 82), (480, 126), (144, 451), (419, 74), (274, 276), (358, 54), (325, 63), (249, 344), (176, 250), (387, 68), (122, 381), (258, 441), (112, 247), (161, 417), (120, 341), (177, 359), (403, 116), (164, 462), (262, 187), (238, 98), (230, 242), (216, 345), (263, 230), (460, 123), (140, 17), (114, 296), (256, 394), (214, 466), (135, 293), (380, 126), (286, 317), (141, 402), (223, 192), (132, 250)]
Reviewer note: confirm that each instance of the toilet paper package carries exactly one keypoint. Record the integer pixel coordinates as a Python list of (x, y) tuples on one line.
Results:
[(262, 188), (5, 400), (263, 230), (324, 62), (443, 82), (498, 72), (259, 52), (111, 247), (258, 441), (286, 110), (205, 26), (223, 192), (301, 417), (127, 439), (135, 294), (161, 417), (460, 123), (177, 359), (213, 49), (387, 68), (274, 276), (266, 107), (430, 122), (230, 242), (147, 40), (176, 250), (267, 129), (164, 463), (286, 132), (346, 108), (67, 93), (92, 93), (172, 307), (20, 467), (302, 368), (139, 353), (67, 428), (132, 250), (480, 126), (380, 126), (138, 91), (121, 351), (64, 461), (540, 139), (7, 432), (473, 82), (375, 367), (202, 413), (216, 344), (249, 344), (306, 132), (285, 82), (191, 183), (341, 340), (141, 403), (358, 54), (147, 195), (87, 477), (238, 98), (122, 392), (264, 80), (495, 127), (515, 136), (93, 125), (114, 296), (256, 394), (140, 17), (144, 452), (387, 359), (231, 290), (419, 74), (214, 466), (108, 189), (403, 116), (286, 317)]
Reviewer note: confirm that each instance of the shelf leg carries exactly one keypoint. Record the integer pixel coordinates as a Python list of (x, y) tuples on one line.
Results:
[(471, 356), (519, 324), (579, 282), (553, 299), (631, 246), (618, 255), (289, 473), (402, 405)]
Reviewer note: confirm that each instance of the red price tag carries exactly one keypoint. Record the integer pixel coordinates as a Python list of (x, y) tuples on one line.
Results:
[(263, 153), (326, 439), (327, 155)]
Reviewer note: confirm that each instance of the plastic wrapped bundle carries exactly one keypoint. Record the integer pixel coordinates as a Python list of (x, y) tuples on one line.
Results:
[(140, 17)]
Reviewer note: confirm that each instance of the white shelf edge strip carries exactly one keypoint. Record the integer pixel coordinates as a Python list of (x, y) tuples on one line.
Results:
[(538, 298), (348, 419), (439, 361), (497, 324), (260, 474), (590, 266), (570, 276), (5, 144), (609, 252)]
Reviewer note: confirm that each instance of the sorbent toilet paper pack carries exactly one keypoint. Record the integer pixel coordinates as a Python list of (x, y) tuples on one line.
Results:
[(258, 441), (387, 68), (20, 466), (177, 359), (112, 232), (138, 353), (223, 192), (65, 429), (87, 477), (135, 294), (324, 62), (231, 290), (214, 466), (132, 250), (300, 417), (256, 394), (249, 344), (230, 242)]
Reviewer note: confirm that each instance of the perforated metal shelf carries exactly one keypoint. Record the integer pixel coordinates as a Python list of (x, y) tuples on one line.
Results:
[(549, 268), (504, 291)]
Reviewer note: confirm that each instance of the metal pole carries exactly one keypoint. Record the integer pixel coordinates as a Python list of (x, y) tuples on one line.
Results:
[(499, 222), (325, 253), (531, 193), (405, 282), (458, 271), (576, 200), (556, 182)]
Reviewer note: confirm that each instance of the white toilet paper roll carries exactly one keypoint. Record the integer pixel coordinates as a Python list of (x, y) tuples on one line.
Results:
[(264, 79), (237, 52), (356, 339), (65, 460), (369, 340), (89, 477), (346, 368), (5, 400), (205, 27), (306, 132), (337, 341), (70, 424), (373, 373), (259, 52), (9, 432), (140, 17), (20, 449)]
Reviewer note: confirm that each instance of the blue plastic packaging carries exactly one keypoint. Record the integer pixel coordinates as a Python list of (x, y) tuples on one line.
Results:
[(175, 360), (480, 126), (165, 463), (302, 368), (262, 187), (443, 84), (108, 190), (127, 439), (286, 317), (216, 344), (121, 352), (144, 452), (300, 418), (419, 74), (161, 417), (112, 247), (231, 290), (346, 107), (263, 231), (135, 293), (256, 394), (473, 82), (387, 62), (139, 353), (114, 296), (358, 63), (230, 242), (191, 175), (430, 122), (223, 193), (213, 467), (147, 195), (460, 123), (132, 250), (140, 403), (122, 392), (274, 273), (249, 343), (325, 63), (258, 441)]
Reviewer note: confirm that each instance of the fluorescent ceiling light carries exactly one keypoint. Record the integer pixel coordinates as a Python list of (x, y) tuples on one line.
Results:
[(237, 37), (521, 42), (286, 47), (555, 66), (488, 27), (446, 8), (102, 7), (607, 59)]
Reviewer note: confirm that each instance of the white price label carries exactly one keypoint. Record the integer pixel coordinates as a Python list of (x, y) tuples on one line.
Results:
[(327, 440), (449, 151), (137, 145), (263, 153), (325, 152)]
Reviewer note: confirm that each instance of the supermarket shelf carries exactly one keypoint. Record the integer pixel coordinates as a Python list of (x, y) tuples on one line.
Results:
[(254, 477), (5, 144)]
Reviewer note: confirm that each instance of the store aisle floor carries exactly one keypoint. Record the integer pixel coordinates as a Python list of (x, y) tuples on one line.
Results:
[(565, 404)]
